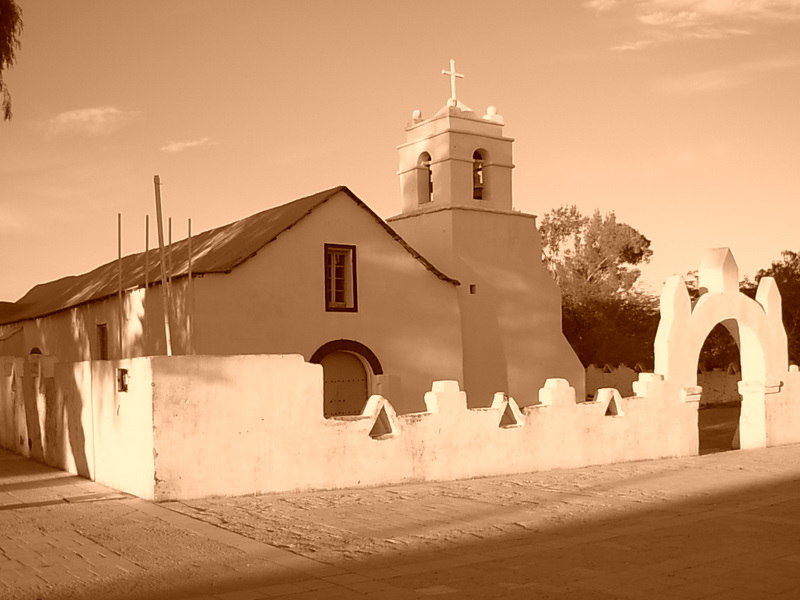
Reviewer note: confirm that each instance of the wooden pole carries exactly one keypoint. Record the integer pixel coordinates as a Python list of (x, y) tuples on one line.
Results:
[(169, 255), (146, 279), (119, 280), (190, 294), (146, 253), (164, 282)]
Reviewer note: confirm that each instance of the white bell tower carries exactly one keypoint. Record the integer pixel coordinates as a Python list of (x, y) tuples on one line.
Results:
[(455, 182), (456, 158)]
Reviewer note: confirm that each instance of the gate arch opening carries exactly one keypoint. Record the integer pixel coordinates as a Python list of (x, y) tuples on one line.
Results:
[(718, 374)]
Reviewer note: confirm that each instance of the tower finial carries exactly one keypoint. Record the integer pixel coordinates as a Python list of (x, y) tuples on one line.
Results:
[(453, 76)]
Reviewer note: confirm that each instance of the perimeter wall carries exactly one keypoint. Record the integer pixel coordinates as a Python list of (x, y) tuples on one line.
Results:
[(193, 426)]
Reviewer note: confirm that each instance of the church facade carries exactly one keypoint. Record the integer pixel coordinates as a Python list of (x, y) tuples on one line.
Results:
[(316, 346), (452, 288)]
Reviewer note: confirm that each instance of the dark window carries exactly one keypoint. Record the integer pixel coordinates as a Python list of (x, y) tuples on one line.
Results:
[(102, 341), (477, 175), (426, 181), (340, 278)]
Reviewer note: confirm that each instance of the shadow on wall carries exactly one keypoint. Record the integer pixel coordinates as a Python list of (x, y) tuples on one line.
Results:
[(44, 420), (73, 407), (398, 348), (73, 334)]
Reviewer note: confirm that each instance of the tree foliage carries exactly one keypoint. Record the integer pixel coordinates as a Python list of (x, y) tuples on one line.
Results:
[(607, 320), (591, 255), (786, 273), (594, 261), (10, 31), (614, 330), (720, 349)]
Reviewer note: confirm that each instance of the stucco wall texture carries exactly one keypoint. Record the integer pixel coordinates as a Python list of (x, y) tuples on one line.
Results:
[(274, 303), (194, 426)]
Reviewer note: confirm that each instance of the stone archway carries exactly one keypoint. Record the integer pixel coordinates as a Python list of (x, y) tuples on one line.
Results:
[(756, 325)]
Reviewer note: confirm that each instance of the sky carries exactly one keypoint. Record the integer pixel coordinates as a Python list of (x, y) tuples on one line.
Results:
[(681, 116)]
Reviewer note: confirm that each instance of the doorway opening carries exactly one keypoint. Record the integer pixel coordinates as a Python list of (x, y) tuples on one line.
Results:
[(719, 373), (346, 386), (349, 368)]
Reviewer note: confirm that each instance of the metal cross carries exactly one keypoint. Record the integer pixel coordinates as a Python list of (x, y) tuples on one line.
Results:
[(453, 75)]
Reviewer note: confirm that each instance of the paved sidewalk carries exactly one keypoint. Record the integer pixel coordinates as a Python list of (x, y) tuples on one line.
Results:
[(716, 526)]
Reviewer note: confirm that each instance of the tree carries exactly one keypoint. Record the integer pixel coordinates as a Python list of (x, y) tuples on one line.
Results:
[(786, 273), (592, 254), (10, 31), (615, 330), (593, 260)]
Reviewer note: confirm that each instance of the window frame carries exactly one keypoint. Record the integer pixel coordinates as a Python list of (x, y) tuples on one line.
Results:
[(350, 279)]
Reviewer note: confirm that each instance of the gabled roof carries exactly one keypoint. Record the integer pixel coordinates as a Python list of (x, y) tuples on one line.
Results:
[(215, 251)]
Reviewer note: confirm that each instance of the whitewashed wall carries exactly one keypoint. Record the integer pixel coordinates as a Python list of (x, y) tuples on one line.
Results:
[(193, 426), (72, 416)]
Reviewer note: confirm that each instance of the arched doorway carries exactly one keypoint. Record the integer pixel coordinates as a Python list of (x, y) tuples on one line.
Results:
[(346, 384), (348, 370)]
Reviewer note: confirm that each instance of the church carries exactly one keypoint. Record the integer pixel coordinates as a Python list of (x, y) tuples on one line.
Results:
[(451, 288), (315, 345)]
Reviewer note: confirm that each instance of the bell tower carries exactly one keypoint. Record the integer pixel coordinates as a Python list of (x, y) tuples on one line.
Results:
[(455, 158), (455, 184)]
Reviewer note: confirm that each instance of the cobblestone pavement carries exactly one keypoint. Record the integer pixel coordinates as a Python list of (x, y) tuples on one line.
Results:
[(716, 526)]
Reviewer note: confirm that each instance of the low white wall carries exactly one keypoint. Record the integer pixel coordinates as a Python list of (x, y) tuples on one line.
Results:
[(123, 425), (193, 426), (236, 424), (253, 424), (71, 416), (782, 413)]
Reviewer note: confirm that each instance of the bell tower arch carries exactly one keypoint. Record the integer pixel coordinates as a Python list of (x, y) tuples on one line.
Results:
[(456, 158)]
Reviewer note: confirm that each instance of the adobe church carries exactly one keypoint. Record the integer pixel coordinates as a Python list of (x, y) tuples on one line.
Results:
[(452, 288)]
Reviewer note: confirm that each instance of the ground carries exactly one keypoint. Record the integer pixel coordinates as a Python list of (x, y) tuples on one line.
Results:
[(720, 525), (717, 426)]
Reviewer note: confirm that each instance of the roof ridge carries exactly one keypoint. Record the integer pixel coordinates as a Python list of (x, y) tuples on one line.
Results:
[(217, 250)]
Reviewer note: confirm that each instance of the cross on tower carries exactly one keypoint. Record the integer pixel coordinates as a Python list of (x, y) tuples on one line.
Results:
[(453, 75)]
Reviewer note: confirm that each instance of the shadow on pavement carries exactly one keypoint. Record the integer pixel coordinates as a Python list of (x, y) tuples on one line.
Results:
[(717, 427), (54, 480), (743, 542)]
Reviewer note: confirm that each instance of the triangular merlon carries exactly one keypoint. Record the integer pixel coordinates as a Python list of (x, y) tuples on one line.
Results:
[(510, 414), (382, 416), (611, 400)]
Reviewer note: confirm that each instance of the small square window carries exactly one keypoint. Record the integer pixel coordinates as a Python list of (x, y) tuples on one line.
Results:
[(340, 278), (122, 380)]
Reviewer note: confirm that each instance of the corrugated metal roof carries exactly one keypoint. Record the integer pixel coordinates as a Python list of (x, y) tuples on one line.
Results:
[(215, 251)]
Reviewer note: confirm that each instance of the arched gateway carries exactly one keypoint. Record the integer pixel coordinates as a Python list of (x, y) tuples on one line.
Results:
[(756, 325)]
